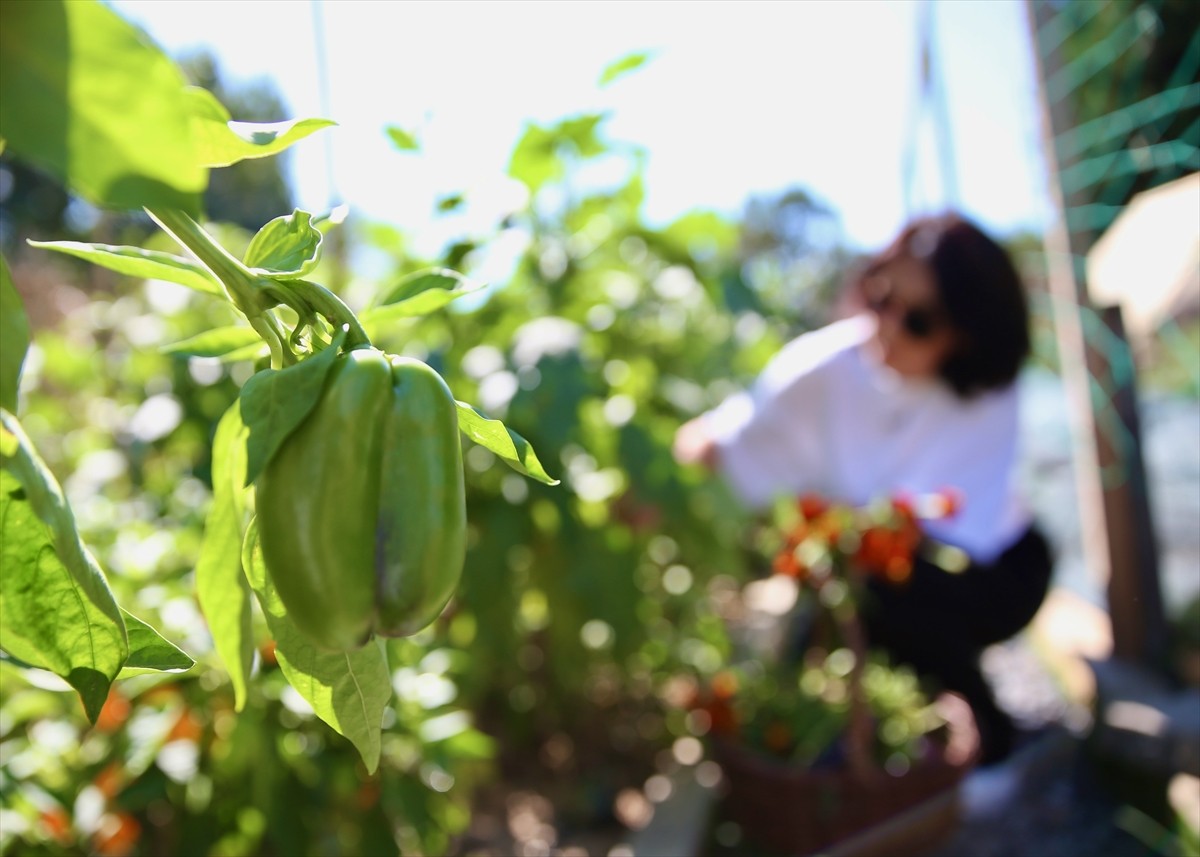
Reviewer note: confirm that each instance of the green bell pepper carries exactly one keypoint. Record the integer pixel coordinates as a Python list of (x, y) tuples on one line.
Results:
[(361, 512)]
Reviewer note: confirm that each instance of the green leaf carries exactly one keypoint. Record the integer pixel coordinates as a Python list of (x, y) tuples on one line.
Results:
[(220, 142), (14, 339), (506, 443), (701, 231), (136, 262), (275, 402), (471, 744), (450, 202), (219, 342), (59, 613), (535, 159), (348, 690), (8, 444), (87, 97), (403, 140), (250, 352), (288, 247), (538, 157), (221, 587), (624, 66), (205, 106), (149, 651), (582, 133), (421, 293), (435, 280)]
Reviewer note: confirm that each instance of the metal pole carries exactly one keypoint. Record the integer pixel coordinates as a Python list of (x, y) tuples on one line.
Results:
[(1064, 255), (335, 240)]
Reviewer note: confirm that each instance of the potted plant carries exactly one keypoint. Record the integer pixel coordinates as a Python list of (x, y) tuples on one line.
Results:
[(822, 739)]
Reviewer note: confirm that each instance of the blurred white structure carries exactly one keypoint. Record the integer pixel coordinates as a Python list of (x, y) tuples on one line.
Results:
[(1148, 261)]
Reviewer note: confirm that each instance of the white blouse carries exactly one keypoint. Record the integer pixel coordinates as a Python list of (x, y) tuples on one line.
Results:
[(826, 416)]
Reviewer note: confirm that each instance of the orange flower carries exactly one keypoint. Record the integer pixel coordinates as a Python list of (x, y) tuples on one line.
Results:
[(874, 549), (787, 564), (812, 506), (904, 506), (57, 824), (117, 836), (827, 528), (952, 500), (724, 685), (114, 712), (163, 694), (111, 780), (798, 534), (724, 719), (186, 728), (899, 569)]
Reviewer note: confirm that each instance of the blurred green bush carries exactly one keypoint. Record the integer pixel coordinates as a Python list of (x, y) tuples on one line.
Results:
[(579, 602)]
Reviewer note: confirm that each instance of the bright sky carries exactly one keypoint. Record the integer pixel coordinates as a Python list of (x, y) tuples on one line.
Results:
[(739, 98)]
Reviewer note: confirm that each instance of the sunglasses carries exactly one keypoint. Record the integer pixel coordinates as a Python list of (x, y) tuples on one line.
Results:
[(918, 322)]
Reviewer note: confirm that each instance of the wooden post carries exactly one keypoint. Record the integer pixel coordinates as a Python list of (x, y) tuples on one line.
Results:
[(1134, 595), (1117, 539)]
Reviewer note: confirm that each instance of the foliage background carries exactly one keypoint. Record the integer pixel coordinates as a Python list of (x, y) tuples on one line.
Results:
[(578, 603), (552, 669)]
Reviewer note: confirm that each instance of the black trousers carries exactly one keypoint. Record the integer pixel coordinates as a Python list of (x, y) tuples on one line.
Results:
[(939, 623)]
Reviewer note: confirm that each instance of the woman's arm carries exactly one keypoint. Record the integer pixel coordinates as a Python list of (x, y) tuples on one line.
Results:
[(694, 444), (770, 440)]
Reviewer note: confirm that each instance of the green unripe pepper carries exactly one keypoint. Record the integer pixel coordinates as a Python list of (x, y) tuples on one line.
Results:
[(361, 512)]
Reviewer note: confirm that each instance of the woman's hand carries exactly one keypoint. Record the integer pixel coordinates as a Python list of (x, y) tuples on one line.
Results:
[(694, 444)]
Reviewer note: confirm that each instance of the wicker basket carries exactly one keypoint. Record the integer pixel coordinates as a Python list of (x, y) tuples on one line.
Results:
[(800, 811)]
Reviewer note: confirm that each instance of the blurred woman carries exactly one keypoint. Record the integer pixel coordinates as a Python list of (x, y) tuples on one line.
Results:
[(913, 393)]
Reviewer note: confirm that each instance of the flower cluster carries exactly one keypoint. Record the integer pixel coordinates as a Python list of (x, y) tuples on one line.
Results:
[(880, 539), (800, 708), (800, 714)]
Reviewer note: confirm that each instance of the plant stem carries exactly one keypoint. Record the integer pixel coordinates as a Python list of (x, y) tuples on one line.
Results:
[(334, 309), (254, 296), (860, 734), (239, 282), (279, 354)]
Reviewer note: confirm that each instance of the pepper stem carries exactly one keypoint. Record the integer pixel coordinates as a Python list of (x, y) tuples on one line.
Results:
[(254, 295), (238, 280), (324, 302)]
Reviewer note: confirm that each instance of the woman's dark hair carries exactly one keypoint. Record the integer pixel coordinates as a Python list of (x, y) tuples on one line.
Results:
[(980, 291)]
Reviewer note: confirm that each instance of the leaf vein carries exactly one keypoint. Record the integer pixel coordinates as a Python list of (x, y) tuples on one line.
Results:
[(79, 603), (358, 687)]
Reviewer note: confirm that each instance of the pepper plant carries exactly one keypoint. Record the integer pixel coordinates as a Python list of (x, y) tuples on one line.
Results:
[(334, 433), (587, 598)]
